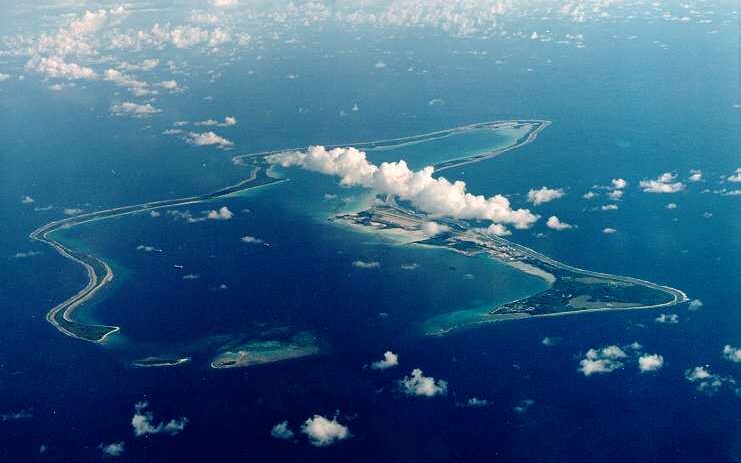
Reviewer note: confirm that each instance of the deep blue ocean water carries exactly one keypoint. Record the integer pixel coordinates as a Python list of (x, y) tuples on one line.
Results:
[(619, 109)]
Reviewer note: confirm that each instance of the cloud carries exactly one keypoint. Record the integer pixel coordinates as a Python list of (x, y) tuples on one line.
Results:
[(145, 65), (695, 304), (618, 183), (23, 255), (143, 422), (524, 405), (695, 175), (27, 200), (224, 3), (434, 228), (4, 77), (609, 231), (664, 183), (191, 276), (147, 248), (252, 240), (671, 206), (732, 353), (420, 385), (705, 381), (323, 432), (476, 402), (412, 266), (497, 229), (615, 195), (14, 416), (436, 196), (223, 213), (208, 138), (113, 450), (589, 195), (609, 207), (57, 67), (228, 122), (282, 431), (72, 211), (389, 360), (669, 319), (604, 360), (556, 224), (136, 87), (650, 362), (544, 195), (134, 109), (366, 265), (549, 342), (735, 177)]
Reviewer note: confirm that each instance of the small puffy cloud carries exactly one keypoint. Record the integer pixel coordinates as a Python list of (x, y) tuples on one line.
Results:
[(27, 200), (134, 109), (366, 264), (549, 342), (417, 384), (589, 195), (604, 360), (228, 121), (143, 422), (732, 353), (112, 450), (695, 304), (136, 87), (434, 228), (171, 85), (544, 195), (650, 362), (664, 183), (23, 255), (556, 224), (524, 405), (389, 360), (735, 177), (669, 319), (282, 431), (223, 213), (4, 77), (695, 175), (436, 102), (412, 266), (191, 276), (498, 229), (706, 381), (208, 138), (476, 402), (615, 195), (323, 432), (72, 211), (609, 231), (618, 183), (671, 206), (609, 207), (252, 240), (224, 3), (379, 65)]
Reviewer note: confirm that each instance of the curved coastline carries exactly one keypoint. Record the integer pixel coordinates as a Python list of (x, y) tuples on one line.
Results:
[(61, 315)]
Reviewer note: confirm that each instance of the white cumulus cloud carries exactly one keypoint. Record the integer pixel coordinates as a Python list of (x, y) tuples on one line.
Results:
[(389, 360), (323, 432), (143, 422), (436, 196), (544, 195), (556, 223), (604, 360), (732, 353), (650, 362), (664, 183), (208, 138), (418, 384)]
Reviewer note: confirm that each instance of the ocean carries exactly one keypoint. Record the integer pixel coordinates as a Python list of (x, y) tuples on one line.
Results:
[(619, 108)]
